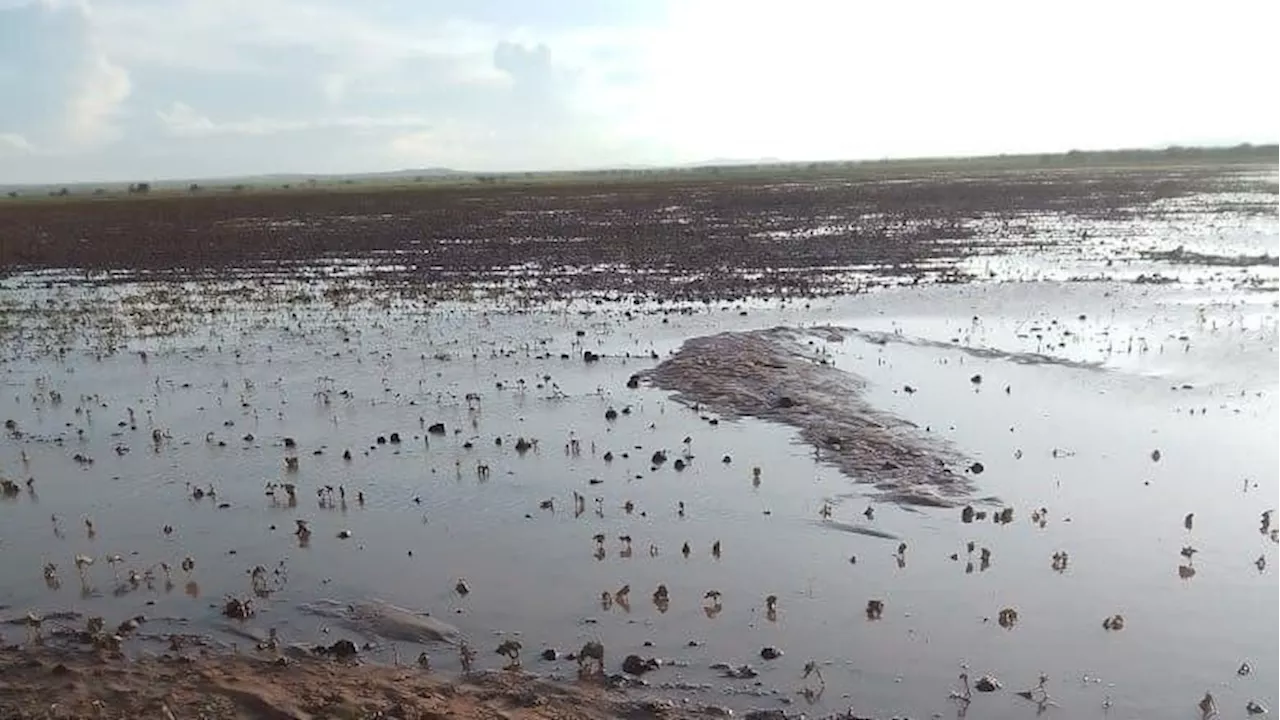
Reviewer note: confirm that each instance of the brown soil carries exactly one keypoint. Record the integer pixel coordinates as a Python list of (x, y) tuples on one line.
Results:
[(696, 238), (775, 375), (49, 684)]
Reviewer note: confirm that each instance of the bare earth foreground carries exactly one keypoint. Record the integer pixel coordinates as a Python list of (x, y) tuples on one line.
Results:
[(70, 684)]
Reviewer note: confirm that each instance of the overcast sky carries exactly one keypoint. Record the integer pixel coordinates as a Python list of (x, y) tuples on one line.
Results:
[(143, 89)]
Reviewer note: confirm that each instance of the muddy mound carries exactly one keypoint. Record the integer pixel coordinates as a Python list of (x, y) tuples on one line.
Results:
[(774, 375), (382, 619)]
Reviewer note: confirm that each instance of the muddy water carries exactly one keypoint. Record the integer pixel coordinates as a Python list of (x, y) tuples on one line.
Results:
[(1076, 439), (1082, 382)]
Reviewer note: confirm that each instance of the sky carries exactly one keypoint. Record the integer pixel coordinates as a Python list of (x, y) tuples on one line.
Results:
[(131, 90)]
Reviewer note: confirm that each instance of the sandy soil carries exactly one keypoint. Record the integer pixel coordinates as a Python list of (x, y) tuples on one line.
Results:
[(49, 683)]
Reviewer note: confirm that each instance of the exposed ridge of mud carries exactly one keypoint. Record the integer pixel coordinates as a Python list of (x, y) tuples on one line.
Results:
[(1182, 256), (772, 375), (857, 529), (1021, 358), (382, 619)]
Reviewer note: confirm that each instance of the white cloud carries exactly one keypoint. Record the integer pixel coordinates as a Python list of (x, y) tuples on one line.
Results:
[(14, 143), (430, 147), (510, 84), (832, 79), (182, 120), (226, 35), (334, 87), (95, 101)]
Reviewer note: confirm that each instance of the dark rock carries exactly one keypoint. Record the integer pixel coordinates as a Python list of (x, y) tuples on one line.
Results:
[(774, 714), (679, 464), (611, 414), (436, 429), (737, 672), (636, 665), (977, 468), (237, 609), (658, 458), (987, 684), (341, 649), (589, 357), (633, 382), (770, 652), (395, 438), (624, 681), (550, 655)]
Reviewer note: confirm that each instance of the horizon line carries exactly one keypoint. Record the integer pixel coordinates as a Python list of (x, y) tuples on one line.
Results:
[(713, 163)]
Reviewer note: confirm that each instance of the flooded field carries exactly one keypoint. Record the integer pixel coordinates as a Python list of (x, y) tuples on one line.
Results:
[(1028, 431)]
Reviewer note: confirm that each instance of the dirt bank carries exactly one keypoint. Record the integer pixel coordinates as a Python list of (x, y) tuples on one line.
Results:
[(48, 684), (779, 375)]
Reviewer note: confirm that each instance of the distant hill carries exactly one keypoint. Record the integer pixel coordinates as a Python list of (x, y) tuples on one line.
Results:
[(1173, 155)]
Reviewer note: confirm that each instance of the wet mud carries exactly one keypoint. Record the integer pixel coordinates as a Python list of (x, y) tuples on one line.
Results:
[(672, 239), (777, 375)]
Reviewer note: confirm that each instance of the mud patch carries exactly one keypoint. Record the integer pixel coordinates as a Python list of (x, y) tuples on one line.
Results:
[(774, 375), (1182, 256), (1021, 358), (382, 619)]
